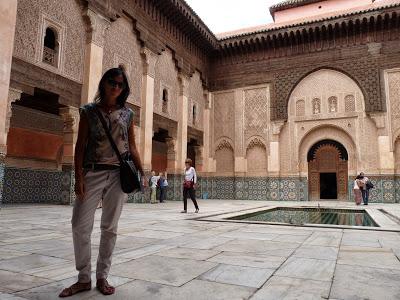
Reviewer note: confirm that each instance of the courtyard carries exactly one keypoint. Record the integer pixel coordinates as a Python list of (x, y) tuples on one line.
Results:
[(162, 254)]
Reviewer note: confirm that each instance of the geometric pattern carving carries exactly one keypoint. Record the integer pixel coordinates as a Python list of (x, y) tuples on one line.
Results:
[(196, 94), (166, 75), (300, 108), (394, 99), (256, 112), (224, 115), (256, 158), (224, 157), (122, 48), (349, 103), (27, 43)]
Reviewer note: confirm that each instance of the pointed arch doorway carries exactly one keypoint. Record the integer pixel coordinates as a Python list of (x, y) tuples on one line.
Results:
[(327, 171)]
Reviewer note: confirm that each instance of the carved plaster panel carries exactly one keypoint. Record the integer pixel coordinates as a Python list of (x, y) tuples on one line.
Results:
[(196, 96), (393, 93), (121, 47), (166, 74), (224, 115), (28, 33), (256, 112)]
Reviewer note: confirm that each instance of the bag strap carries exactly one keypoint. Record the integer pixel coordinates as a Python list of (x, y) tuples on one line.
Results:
[(113, 145)]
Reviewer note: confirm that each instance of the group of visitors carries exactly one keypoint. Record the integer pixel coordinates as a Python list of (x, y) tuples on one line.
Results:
[(158, 184), (361, 188), (106, 128)]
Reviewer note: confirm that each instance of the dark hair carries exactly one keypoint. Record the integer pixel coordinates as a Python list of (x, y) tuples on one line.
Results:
[(110, 74)]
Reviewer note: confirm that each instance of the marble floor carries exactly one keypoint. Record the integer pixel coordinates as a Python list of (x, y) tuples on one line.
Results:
[(162, 254)]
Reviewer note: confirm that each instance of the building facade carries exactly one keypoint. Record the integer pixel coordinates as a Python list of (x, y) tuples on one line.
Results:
[(292, 110)]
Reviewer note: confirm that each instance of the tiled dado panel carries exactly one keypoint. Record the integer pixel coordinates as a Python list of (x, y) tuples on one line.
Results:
[(36, 186), (386, 189), (57, 187)]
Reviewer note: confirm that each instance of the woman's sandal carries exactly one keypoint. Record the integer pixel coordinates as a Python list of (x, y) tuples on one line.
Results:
[(76, 288), (104, 287)]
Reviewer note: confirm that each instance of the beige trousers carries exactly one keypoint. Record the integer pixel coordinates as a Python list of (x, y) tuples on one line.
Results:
[(105, 186)]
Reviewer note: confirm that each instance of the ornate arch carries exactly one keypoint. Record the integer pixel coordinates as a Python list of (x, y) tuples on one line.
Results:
[(327, 132), (224, 142), (256, 141)]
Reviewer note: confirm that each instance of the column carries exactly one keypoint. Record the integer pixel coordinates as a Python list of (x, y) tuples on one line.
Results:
[(182, 121), (70, 117), (207, 132), (240, 159), (8, 17), (274, 156), (386, 154), (93, 54), (149, 60)]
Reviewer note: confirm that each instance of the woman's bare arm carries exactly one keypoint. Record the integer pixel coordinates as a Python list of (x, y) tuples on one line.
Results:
[(83, 134)]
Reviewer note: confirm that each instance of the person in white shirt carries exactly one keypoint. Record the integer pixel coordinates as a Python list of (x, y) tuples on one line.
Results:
[(153, 185), (357, 190), (189, 185)]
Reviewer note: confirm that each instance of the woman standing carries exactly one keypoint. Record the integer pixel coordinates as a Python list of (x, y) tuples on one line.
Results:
[(163, 184), (97, 177), (357, 190), (189, 185)]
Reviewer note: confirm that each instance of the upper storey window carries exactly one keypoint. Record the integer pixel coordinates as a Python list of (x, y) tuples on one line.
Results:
[(50, 47), (165, 100)]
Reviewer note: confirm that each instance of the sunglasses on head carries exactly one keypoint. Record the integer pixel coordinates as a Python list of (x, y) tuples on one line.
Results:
[(115, 83)]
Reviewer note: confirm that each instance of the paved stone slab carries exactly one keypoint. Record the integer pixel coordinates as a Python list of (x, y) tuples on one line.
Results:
[(51, 291), (290, 238), (265, 247), (208, 243), (238, 275), (368, 257), (195, 254), (39, 245), (285, 288), (317, 252), (8, 253), (249, 260), (196, 289), (250, 235), (14, 282), (164, 270), (153, 234), (28, 262), (10, 297), (328, 239), (359, 283), (306, 268)]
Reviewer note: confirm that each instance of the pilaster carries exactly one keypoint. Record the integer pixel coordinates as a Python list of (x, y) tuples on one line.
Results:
[(182, 121)]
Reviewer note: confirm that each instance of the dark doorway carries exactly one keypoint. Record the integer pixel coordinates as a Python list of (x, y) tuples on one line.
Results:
[(191, 152), (328, 186)]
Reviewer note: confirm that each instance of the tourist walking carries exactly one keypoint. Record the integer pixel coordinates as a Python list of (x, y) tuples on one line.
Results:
[(163, 184), (97, 177), (153, 186), (189, 185), (366, 187), (358, 183)]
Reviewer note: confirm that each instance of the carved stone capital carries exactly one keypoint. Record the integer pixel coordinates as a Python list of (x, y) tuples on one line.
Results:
[(277, 127), (149, 59), (380, 122), (13, 95), (97, 27), (70, 117), (171, 148), (183, 85)]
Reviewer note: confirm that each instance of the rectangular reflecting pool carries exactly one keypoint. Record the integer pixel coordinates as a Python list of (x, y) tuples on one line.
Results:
[(303, 216)]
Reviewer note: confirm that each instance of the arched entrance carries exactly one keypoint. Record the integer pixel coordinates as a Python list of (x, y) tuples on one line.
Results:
[(327, 171)]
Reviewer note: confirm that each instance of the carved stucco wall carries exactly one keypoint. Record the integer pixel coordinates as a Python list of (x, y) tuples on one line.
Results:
[(224, 155), (28, 35), (256, 113), (122, 47), (326, 86), (393, 93), (256, 155), (224, 116), (166, 76), (196, 97)]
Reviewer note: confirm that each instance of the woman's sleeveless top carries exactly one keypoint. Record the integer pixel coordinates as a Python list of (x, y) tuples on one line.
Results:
[(98, 148)]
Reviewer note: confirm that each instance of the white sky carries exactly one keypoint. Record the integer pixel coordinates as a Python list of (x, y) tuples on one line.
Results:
[(227, 15)]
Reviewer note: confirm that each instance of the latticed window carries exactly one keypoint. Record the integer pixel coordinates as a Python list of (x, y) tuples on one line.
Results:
[(350, 103), (332, 101), (50, 48), (165, 100), (316, 106), (300, 108)]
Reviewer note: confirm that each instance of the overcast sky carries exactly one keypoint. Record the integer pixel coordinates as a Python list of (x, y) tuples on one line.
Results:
[(227, 15)]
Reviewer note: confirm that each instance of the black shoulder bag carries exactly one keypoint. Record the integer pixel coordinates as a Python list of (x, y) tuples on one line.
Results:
[(130, 179)]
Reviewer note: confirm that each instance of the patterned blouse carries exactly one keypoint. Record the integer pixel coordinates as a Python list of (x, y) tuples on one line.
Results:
[(98, 149)]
